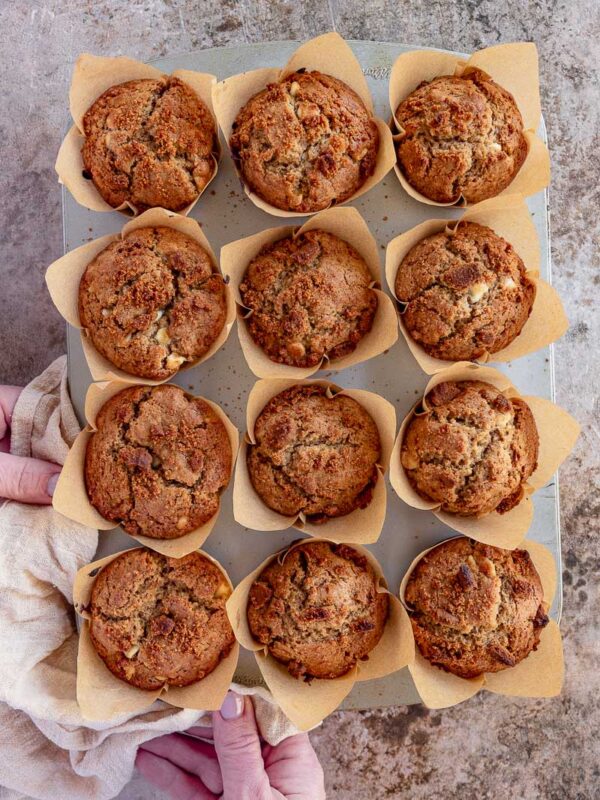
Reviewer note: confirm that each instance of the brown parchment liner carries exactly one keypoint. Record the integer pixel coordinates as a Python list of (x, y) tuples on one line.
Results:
[(92, 76), (557, 431), (328, 54), (513, 67), (71, 498), (361, 526), (541, 674), (345, 223), (509, 218), (102, 696), (64, 275), (306, 704)]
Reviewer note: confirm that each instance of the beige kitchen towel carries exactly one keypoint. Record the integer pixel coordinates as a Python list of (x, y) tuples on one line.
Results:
[(46, 749)]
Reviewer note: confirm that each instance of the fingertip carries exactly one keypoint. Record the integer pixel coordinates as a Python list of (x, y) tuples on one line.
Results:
[(232, 706), (51, 485)]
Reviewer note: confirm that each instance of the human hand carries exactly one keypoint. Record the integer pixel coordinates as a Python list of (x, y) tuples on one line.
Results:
[(29, 480), (238, 767)]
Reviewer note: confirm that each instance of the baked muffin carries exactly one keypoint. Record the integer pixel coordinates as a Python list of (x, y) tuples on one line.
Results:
[(152, 301), (156, 620), (466, 293), (310, 297), (473, 450), (317, 609), (150, 143), (314, 454), (475, 608), (158, 461), (305, 143), (460, 136)]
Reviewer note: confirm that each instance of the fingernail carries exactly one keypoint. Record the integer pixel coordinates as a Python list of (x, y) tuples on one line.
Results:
[(233, 706), (51, 485)]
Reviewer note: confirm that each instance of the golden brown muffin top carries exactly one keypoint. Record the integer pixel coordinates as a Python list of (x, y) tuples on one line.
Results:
[(466, 293), (318, 609), (150, 142), (156, 620), (473, 449), (460, 136), (309, 298), (158, 461), (152, 301), (305, 143), (475, 608), (314, 454)]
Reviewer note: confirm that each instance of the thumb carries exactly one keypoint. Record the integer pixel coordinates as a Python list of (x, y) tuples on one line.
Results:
[(29, 480), (238, 749)]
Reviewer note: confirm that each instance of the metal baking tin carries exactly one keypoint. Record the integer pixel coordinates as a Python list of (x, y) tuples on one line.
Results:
[(227, 214)]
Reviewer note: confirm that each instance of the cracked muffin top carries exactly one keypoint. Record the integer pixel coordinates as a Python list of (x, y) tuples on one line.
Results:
[(460, 136), (317, 609), (475, 608), (310, 297), (305, 143), (158, 461), (314, 454), (156, 620), (152, 301), (150, 143), (466, 292), (472, 450)]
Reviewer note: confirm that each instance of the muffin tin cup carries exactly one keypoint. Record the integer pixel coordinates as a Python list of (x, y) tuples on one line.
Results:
[(541, 674), (307, 704), (514, 67), (328, 54), (64, 275), (348, 225), (509, 218), (361, 526), (557, 431), (71, 498), (92, 76), (102, 697)]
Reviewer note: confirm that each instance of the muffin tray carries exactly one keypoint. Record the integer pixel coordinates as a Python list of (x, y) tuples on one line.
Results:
[(226, 214)]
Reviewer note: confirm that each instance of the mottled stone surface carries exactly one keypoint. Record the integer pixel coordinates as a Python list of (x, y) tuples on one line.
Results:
[(488, 747)]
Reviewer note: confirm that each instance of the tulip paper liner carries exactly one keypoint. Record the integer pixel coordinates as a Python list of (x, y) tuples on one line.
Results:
[(541, 674), (363, 525), (92, 76), (64, 275), (71, 498), (557, 431), (328, 54), (514, 67), (509, 218), (102, 696), (348, 225), (307, 704)]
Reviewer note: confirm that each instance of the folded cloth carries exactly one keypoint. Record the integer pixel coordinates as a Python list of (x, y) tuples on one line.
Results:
[(47, 750)]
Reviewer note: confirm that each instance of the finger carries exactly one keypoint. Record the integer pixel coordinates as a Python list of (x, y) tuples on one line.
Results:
[(174, 781), (294, 769), (29, 480), (8, 398), (238, 749), (195, 757)]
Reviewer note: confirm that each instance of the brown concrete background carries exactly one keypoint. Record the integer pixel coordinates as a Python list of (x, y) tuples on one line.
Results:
[(489, 747)]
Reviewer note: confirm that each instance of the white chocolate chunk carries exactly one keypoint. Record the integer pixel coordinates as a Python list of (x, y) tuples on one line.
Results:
[(477, 291), (132, 651), (508, 283), (174, 361), (162, 336)]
